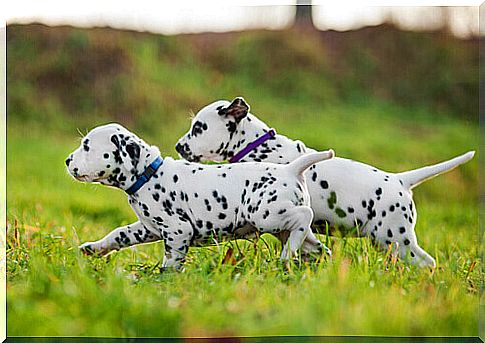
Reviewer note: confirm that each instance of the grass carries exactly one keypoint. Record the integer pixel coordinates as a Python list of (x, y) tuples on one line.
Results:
[(359, 291)]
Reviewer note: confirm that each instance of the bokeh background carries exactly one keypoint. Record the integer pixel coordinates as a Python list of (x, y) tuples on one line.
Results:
[(391, 86)]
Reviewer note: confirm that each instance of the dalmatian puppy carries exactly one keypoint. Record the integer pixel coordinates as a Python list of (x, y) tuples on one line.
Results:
[(189, 204), (353, 197)]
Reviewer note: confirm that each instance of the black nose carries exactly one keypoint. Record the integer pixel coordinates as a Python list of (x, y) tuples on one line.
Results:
[(180, 148)]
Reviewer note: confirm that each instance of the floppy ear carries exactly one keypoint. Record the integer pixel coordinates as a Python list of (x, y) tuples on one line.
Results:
[(116, 141), (127, 151), (238, 109), (133, 150)]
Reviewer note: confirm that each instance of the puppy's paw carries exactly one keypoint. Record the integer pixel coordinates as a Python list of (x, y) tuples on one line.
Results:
[(173, 269), (327, 250), (86, 248), (92, 249)]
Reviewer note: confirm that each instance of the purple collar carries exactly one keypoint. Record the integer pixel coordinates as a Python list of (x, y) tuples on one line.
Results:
[(253, 145)]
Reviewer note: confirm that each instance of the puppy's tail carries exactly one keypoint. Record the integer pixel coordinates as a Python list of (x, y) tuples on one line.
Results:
[(413, 178), (304, 162)]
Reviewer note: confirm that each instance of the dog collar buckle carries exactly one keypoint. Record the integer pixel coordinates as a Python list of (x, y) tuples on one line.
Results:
[(145, 176)]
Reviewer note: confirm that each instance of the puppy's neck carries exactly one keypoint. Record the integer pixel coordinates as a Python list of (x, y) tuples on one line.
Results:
[(147, 155), (278, 149), (127, 173)]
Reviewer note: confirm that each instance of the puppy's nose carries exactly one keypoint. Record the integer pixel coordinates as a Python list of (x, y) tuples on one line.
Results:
[(179, 147), (75, 170)]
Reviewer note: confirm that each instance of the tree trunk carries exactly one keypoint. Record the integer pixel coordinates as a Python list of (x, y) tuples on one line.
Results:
[(303, 15)]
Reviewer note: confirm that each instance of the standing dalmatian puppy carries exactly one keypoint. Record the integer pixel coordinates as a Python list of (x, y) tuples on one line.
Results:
[(345, 194), (186, 204)]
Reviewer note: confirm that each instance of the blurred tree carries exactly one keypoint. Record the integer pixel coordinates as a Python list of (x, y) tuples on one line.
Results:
[(446, 19), (303, 15)]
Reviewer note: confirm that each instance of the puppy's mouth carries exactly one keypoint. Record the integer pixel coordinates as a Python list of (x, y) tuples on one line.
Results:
[(189, 157), (88, 178), (82, 178), (185, 152), (192, 158)]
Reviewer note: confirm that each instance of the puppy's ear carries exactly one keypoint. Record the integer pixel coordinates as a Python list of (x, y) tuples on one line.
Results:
[(116, 141), (127, 151), (133, 150), (238, 109)]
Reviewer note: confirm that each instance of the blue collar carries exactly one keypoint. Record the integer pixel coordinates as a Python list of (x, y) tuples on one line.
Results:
[(145, 176)]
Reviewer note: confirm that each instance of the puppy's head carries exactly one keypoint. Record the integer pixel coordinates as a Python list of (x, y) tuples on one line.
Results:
[(109, 154), (211, 131)]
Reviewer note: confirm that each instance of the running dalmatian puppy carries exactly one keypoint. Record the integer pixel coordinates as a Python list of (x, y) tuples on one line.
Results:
[(345, 194), (189, 204)]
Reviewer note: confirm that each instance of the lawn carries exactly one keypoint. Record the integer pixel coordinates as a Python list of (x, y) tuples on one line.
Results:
[(54, 290)]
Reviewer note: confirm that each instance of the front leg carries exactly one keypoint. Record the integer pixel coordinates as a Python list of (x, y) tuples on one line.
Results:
[(119, 238), (177, 241)]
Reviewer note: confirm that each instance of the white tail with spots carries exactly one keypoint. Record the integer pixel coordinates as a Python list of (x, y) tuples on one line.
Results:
[(413, 178)]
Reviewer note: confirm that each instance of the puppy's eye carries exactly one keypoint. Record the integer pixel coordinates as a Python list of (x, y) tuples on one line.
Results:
[(106, 155)]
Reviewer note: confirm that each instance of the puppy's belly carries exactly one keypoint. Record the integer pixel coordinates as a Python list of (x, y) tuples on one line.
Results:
[(246, 231), (217, 235)]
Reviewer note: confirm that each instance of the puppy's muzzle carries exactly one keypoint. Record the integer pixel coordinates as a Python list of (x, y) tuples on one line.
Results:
[(180, 149)]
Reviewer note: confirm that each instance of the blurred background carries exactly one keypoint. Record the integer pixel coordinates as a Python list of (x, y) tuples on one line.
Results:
[(70, 65), (396, 87)]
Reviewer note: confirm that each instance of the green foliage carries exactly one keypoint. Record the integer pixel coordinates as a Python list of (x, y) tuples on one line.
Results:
[(433, 70), (65, 79), (105, 75)]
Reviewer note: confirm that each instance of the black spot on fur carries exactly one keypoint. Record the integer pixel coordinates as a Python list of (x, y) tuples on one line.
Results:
[(116, 141), (332, 200), (314, 176), (86, 145), (231, 126), (341, 213), (133, 151)]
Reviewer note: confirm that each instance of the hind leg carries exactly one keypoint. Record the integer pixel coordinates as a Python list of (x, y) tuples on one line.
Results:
[(421, 258), (312, 245), (398, 226), (298, 222), (410, 249)]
